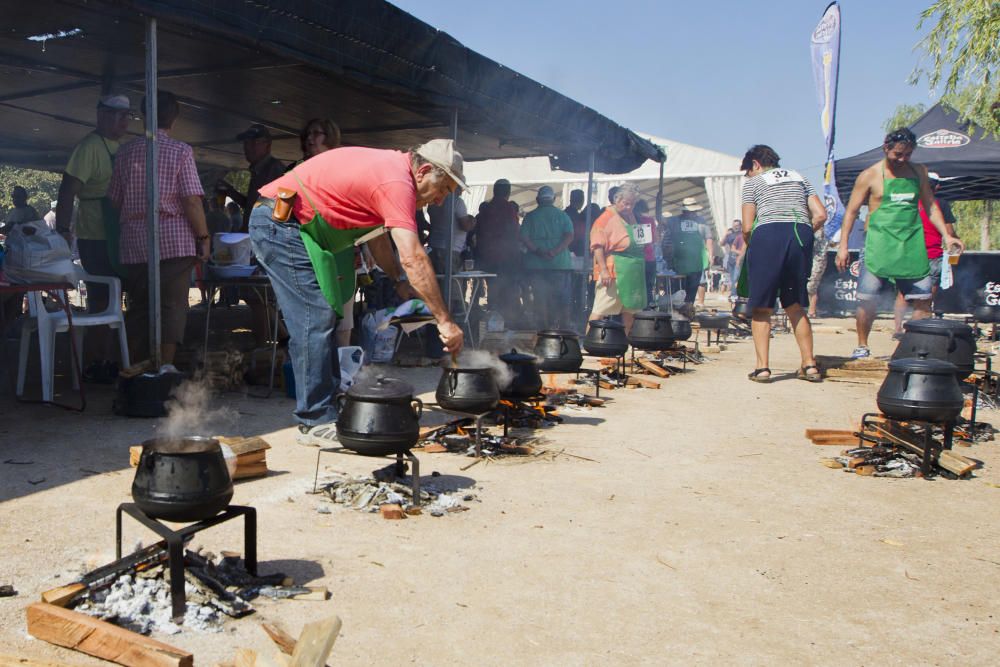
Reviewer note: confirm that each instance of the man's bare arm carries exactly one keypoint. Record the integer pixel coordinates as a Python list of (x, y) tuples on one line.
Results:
[(859, 195), (194, 212), (69, 188)]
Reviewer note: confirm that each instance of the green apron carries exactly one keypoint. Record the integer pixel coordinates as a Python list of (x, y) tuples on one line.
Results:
[(743, 282), (112, 224), (630, 272), (331, 252), (894, 246), (690, 254)]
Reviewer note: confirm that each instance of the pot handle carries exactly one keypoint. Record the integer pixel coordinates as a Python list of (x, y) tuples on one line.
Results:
[(563, 347), (951, 341), (452, 381), (341, 399), (418, 406)]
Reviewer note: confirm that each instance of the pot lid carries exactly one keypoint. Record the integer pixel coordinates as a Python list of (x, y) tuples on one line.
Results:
[(558, 333), (606, 324), (517, 357), (938, 326), (923, 365), (653, 315), (381, 389)]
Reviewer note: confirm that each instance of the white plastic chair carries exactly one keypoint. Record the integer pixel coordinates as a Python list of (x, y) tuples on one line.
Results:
[(48, 324)]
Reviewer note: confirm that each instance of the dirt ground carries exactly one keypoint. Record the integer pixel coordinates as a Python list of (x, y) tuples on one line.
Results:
[(705, 531)]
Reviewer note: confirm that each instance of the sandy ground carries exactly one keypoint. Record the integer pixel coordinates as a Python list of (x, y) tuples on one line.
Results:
[(706, 532)]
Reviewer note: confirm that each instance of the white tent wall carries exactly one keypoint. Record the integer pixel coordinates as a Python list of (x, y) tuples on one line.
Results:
[(709, 176)]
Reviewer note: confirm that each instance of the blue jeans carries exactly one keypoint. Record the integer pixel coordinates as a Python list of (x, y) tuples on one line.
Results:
[(310, 320)]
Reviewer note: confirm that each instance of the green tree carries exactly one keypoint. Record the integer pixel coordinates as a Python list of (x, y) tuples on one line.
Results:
[(904, 116), (961, 48), (42, 187)]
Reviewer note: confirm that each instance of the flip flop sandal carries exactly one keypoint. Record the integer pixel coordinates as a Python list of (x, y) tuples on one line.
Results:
[(755, 376), (804, 374)]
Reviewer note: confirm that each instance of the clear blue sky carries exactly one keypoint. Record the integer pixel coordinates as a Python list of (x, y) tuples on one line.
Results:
[(722, 74)]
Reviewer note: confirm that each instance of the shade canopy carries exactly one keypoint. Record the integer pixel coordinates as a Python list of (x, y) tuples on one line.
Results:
[(966, 158), (711, 177), (388, 79)]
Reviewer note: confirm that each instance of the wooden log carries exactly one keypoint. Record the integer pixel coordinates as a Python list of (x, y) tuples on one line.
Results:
[(655, 369), (63, 595), (851, 373), (95, 637), (948, 460), (284, 640), (315, 643), (241, 445), (644, 383), (392, 511)]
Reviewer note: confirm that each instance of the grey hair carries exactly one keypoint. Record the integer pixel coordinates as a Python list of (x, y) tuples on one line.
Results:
[(418, 160), (627, 191)]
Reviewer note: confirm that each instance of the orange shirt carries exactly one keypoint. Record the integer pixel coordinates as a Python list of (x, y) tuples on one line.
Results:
[(608, 232), (353, 187)]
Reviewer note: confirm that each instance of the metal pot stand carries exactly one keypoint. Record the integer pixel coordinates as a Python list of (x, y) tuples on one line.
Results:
[(400, 467), (932, 448), (176, 539)]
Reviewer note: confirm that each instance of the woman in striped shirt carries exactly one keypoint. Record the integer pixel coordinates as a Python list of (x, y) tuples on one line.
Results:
[(782, 211)]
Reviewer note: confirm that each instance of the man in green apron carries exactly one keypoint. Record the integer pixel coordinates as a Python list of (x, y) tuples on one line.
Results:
[(690, 246), (87, 176), (894, 245), (303, 229)]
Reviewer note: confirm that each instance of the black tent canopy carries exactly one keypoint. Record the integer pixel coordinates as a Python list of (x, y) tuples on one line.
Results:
[(967, 158), (388, 79)]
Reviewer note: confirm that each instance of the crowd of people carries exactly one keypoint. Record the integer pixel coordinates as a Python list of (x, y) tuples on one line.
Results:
[(304, 222)]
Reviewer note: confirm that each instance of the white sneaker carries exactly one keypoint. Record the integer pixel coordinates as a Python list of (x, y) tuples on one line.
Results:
[(318, 435), (861, 352)]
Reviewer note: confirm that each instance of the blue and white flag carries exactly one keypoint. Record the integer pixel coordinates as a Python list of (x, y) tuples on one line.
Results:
[(825, 47)]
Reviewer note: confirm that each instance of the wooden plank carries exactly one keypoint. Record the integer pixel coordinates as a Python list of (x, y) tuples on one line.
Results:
[(241, 445), (848, 373), (95, 637), (284, 640), (315, 643), (835, 440), (643, 382), (63, 595), (655, 369)]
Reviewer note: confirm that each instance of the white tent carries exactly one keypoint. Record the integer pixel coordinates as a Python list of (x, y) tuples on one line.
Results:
[(711, 177)]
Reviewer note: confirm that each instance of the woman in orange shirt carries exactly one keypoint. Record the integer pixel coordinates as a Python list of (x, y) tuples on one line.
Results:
[(619, 262)]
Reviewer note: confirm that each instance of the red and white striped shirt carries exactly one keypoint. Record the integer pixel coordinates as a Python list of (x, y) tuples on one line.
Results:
[(178, 178)]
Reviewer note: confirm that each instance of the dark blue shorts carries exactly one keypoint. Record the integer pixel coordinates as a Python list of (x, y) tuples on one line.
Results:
[(778, 266)]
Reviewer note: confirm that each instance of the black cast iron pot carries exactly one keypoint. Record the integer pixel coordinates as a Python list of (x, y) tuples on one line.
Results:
[(379, 417), (606, 338), (942, 339), (182, 479), (653, 330), (558, 351), (922, 388), (467, 390), (987, 314), (713, 321), (525, 380), (742, 310)]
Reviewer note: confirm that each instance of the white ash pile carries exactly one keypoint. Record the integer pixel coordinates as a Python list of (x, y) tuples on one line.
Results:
[(370, 494), (142, 604)]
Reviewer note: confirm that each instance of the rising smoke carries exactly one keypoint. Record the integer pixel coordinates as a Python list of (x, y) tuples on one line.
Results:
[(188, 413)]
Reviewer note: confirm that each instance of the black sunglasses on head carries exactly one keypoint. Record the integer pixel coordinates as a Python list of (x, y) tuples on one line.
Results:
[(900, 137)]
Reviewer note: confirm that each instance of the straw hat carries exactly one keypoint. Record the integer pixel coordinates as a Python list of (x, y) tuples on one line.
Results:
[(691, 204)]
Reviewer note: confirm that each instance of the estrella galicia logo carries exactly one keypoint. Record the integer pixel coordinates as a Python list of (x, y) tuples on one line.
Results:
[(855, 268), (826, 29), (943, 139)]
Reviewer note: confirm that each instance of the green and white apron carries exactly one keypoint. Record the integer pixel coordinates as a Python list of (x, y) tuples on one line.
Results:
[(894, 246), (331, 252), (690, 254), (630, 272)]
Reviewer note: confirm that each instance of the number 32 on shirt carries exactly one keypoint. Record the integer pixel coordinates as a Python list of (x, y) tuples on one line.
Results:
[(776, 176)]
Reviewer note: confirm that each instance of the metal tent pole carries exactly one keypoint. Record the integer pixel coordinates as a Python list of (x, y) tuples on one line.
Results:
[(450, 213), (659, 221), (586, 241), (152, 196)]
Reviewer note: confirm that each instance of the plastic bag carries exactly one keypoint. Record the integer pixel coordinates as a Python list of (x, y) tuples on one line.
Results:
[(379, 346), (352, 358), (37, 254)]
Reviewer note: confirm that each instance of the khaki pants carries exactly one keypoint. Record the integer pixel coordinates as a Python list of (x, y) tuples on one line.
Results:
[(175, 281)]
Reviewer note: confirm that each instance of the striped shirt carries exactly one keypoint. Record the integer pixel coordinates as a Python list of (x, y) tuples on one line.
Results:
[(780, 195), (178, 178)]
